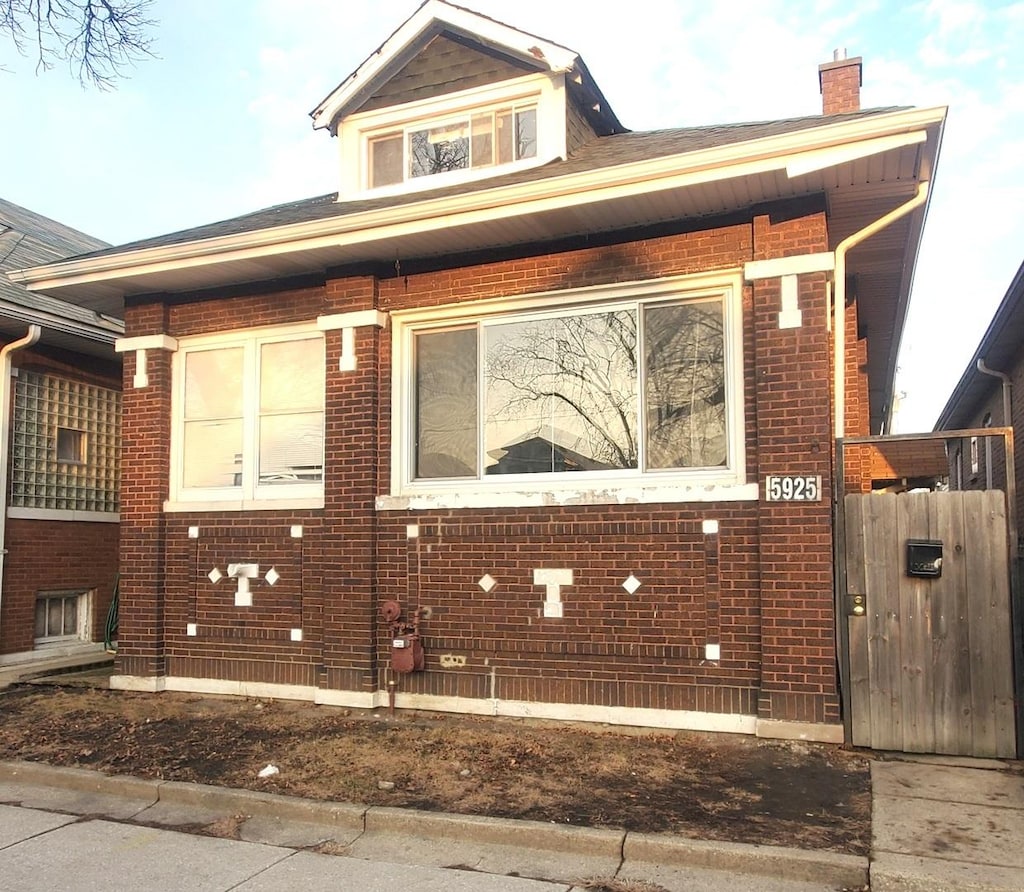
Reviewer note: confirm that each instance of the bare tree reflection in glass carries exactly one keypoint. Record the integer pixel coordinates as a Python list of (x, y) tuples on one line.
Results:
[(685, 385), (562, 394)]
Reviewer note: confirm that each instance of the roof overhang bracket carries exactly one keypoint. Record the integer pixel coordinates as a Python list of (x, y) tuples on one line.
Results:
[(348, 323), (140, 345)]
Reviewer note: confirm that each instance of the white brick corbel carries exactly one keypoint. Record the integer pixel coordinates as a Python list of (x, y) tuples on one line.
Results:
[(786, 269), (140, 346), (348, 323)]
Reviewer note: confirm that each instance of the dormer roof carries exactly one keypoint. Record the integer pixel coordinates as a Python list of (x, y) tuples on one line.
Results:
[(437, 21)]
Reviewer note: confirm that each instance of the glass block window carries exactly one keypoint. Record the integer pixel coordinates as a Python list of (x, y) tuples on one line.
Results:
[(66, 445)]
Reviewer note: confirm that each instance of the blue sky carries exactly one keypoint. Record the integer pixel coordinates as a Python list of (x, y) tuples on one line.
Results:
[(218, 124)]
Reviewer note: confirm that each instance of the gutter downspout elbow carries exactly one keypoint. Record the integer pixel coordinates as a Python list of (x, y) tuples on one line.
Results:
[(6, 398), (1007, 385), (839, 298)]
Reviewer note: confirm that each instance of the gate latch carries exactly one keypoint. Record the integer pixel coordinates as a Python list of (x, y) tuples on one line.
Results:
[(856, 605)]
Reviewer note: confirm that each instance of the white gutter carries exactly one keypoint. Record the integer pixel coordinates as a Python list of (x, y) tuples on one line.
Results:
[(775, 153), (33, 335), (839, 298)]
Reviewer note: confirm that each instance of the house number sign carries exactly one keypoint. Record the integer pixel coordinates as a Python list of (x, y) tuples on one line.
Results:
[(792, 489)]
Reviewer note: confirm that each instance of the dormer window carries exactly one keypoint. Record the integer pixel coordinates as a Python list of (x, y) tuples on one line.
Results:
[(472, 140), (455, 137)]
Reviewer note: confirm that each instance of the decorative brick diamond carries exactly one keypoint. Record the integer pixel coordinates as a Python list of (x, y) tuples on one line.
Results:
[(631, 584), (272, 576), (215, 575), (487, 582)]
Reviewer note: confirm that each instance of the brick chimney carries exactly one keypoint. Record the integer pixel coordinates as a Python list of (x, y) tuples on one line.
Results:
[(840, 82)]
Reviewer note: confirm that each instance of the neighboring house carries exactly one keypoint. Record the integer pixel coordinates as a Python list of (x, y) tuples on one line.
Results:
[(59, 451), (660, 334), (989, 395)]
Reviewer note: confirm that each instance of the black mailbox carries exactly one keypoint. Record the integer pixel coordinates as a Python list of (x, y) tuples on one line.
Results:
[(924, 557)]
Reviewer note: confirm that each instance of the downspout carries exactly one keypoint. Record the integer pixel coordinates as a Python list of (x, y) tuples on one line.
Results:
[(839, 298), (1002, 376), (33, 335)]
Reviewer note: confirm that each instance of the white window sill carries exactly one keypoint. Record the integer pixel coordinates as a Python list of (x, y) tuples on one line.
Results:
[(62, 514), (640, 495), (173, 507)]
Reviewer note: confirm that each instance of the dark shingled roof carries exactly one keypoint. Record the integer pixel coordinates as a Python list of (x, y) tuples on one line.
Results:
[(601, 152), (30, 239)]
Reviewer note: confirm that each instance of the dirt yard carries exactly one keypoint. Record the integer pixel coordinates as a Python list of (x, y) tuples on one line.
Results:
[(724, 787)]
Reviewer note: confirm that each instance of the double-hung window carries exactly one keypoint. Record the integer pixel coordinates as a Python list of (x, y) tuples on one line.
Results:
[(249, 418), (641, 387)]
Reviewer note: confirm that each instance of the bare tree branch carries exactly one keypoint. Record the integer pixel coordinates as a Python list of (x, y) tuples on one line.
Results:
[(99, 39)]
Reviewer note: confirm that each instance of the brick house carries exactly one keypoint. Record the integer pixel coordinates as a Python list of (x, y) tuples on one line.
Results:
[(60, 390), (563, 394), (988, 395)]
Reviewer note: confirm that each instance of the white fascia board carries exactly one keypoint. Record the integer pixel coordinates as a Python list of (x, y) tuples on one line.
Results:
[(544, 53), (809, 162), (105, 331), (536, 196)]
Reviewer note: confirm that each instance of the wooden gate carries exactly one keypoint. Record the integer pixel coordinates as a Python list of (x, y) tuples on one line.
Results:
[(930, 667)]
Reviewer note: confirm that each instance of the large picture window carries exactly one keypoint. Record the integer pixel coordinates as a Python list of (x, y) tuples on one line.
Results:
[(249, 417), (643, 389)]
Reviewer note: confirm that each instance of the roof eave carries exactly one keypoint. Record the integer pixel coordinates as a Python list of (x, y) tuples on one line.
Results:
[(998, 334), (774, 153)]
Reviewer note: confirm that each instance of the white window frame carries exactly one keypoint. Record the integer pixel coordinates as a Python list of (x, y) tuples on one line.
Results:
[(83, 618), (726, 483), (544, 91), (250, 495)]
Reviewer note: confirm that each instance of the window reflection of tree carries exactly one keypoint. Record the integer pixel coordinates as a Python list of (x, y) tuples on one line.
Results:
[(575, 376), (431, 154), (685, 357), (446, 404)]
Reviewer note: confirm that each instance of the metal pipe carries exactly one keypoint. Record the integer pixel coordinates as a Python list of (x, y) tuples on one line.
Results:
[(33, 335), (839, 300), (1007, 385)]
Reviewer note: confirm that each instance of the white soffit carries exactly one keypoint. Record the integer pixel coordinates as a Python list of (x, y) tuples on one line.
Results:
[(819, 159), (693, 184)]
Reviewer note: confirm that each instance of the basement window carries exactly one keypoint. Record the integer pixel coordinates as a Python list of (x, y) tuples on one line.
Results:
[(61, 616)]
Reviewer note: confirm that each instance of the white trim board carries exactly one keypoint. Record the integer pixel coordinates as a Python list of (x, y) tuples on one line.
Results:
[(681, 720)]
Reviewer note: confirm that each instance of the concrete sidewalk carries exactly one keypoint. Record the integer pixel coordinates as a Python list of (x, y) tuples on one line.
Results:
[(424, 842), (936, 826), (947, 824)]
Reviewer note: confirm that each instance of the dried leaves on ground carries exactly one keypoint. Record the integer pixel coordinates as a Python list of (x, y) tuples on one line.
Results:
[(724, 787)]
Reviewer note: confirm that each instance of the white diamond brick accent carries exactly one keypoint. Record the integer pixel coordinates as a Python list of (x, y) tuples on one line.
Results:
[(272, 576), (631, 584), (487, 582), (215, 575)]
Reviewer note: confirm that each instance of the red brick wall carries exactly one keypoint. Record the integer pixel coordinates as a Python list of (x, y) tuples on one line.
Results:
[(793, 436), (55, 556), (761, 587), (840, 86), (45, 555)]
